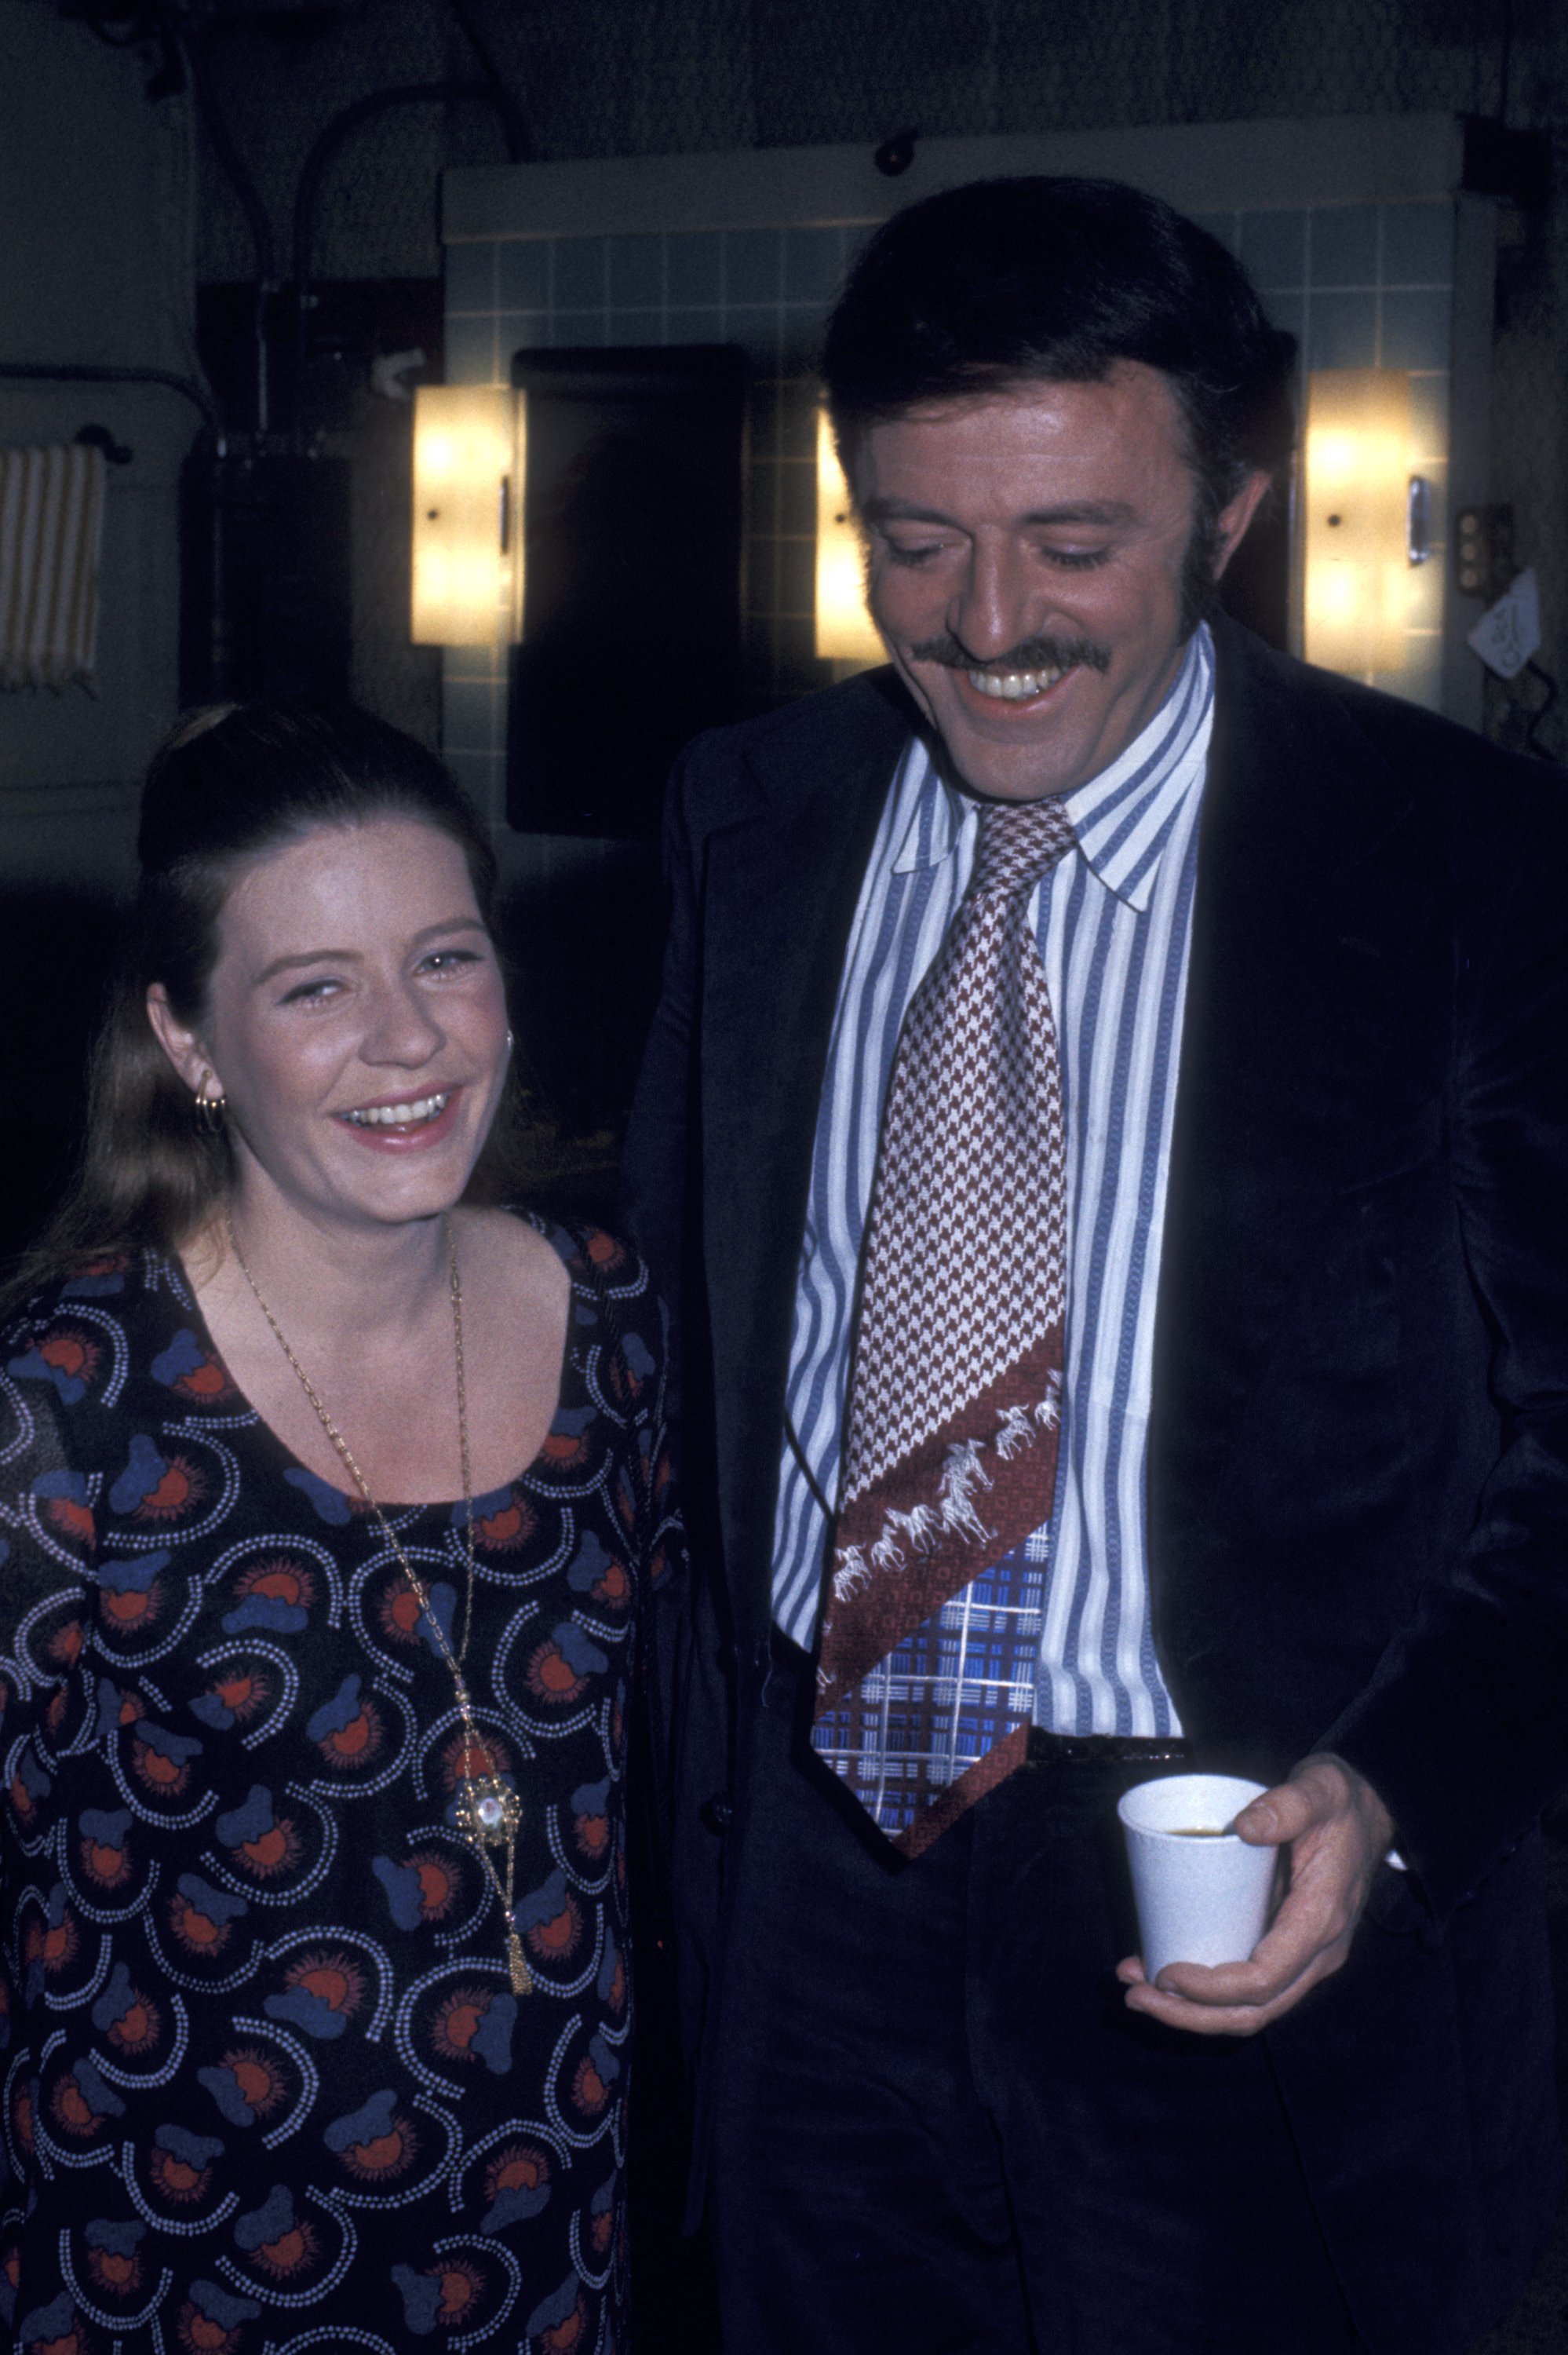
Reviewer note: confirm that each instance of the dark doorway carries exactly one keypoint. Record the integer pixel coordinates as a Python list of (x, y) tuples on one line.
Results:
[(632, 614)]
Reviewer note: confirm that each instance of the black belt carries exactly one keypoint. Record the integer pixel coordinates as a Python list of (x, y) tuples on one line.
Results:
[(1047, 1749)]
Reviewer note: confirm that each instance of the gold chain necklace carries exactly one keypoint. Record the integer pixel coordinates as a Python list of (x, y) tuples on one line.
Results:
[(489, 1811)]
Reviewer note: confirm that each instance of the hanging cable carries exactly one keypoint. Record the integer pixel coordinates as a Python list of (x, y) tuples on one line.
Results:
[(39, 372), (134, 30), (193, 56), (506, 105), (316, 165), (328, 142)]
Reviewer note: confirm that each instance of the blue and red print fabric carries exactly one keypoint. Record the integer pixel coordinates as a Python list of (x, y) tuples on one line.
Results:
[(264, 2084)]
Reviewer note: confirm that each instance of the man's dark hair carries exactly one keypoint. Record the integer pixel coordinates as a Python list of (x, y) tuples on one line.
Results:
[(989, 287)]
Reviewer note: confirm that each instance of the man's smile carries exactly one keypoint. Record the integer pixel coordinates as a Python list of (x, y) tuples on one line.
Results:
[(1012, 685)]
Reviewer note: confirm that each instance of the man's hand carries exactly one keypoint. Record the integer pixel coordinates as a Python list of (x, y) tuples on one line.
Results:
[(1339, 1831)]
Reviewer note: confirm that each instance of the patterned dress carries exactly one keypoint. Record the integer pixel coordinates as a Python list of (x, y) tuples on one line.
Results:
[(264, 2085)]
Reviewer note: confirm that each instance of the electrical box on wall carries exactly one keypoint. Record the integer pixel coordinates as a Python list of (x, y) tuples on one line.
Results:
[(266, 604), (632, 574)]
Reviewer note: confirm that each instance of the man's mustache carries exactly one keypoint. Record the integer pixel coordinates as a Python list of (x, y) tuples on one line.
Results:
[(1029, 654)]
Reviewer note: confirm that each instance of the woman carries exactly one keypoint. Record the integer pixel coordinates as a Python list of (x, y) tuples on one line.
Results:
[(329, 1502)]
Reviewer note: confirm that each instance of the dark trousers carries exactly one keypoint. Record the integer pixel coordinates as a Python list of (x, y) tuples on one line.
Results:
[(939, 2130)]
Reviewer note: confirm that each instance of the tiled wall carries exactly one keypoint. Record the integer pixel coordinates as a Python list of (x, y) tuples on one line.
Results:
[(1372, 286), (768, 289), (1358, 285)]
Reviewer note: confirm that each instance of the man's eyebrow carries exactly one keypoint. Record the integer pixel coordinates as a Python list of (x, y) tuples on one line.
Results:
[(1091, 511), (352, 956), (1105, 511), (900, 511)]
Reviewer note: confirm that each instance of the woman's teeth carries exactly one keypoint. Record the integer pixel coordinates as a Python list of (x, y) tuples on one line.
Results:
[(403, 1116), (1012, 685)]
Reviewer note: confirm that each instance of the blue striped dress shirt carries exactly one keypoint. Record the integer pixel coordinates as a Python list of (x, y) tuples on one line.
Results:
[(1114, 925)]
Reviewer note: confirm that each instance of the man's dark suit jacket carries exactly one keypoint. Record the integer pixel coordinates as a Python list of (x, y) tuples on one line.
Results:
[(1357, 1479)]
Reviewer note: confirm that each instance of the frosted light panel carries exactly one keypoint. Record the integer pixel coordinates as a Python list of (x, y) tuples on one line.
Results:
[(1357, 481), (468, 542), (845, 631)]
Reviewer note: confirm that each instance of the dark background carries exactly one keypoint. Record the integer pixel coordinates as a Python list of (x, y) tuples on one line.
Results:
[(99, 126)]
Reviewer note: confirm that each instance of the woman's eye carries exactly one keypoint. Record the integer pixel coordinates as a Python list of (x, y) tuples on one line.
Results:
[(310, 993), (447, 960)]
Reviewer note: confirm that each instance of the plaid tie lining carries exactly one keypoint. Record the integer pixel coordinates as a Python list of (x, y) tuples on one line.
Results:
[(933, 1608)]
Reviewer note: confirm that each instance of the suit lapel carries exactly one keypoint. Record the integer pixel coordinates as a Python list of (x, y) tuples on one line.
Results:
[(1309, 1063), (781, 886)]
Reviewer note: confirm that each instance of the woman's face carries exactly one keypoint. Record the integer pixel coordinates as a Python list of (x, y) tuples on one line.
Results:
[(355, 1022)]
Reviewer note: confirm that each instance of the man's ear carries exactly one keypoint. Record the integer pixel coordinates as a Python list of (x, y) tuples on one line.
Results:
[(183, 1047), (1231, 525)]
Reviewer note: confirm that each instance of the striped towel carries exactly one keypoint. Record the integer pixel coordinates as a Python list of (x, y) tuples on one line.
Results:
[(51, 532)]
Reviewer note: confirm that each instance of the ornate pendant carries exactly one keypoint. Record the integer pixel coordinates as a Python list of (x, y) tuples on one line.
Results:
[(488, 1811), (517, 1966)]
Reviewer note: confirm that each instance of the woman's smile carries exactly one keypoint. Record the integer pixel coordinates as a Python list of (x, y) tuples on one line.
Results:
[(417, 1121), (356, 1022)]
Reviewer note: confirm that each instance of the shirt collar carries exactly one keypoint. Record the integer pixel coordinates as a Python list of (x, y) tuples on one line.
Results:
[(1122, 818)]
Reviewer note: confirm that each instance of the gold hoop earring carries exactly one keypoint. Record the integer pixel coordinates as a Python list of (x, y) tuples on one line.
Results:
[(209, 1110)]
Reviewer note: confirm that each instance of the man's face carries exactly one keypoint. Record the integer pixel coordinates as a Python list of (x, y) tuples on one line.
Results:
[(1027, 570)]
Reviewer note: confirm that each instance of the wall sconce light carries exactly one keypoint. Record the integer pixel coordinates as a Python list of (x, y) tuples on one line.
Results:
[(845, 631), (469, 456), (1367, 516)]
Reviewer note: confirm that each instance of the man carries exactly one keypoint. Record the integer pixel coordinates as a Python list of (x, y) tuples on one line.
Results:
[(1105, 1128)]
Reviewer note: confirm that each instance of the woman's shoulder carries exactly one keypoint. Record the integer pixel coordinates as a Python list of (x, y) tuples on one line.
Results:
[(612, 1300), (128, 1277), (599, 1265), (74, 1359), (123, 1338), (605, 1262), (62, 1331)]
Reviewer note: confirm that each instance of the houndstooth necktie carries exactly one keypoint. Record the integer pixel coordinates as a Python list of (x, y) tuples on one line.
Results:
[(950, 1444)]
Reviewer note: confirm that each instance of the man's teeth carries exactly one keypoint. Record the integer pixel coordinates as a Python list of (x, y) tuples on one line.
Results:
[(403, 1116), (1012, 685)]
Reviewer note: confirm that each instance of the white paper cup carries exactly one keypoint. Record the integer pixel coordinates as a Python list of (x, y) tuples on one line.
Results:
[(1201, 1897)]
